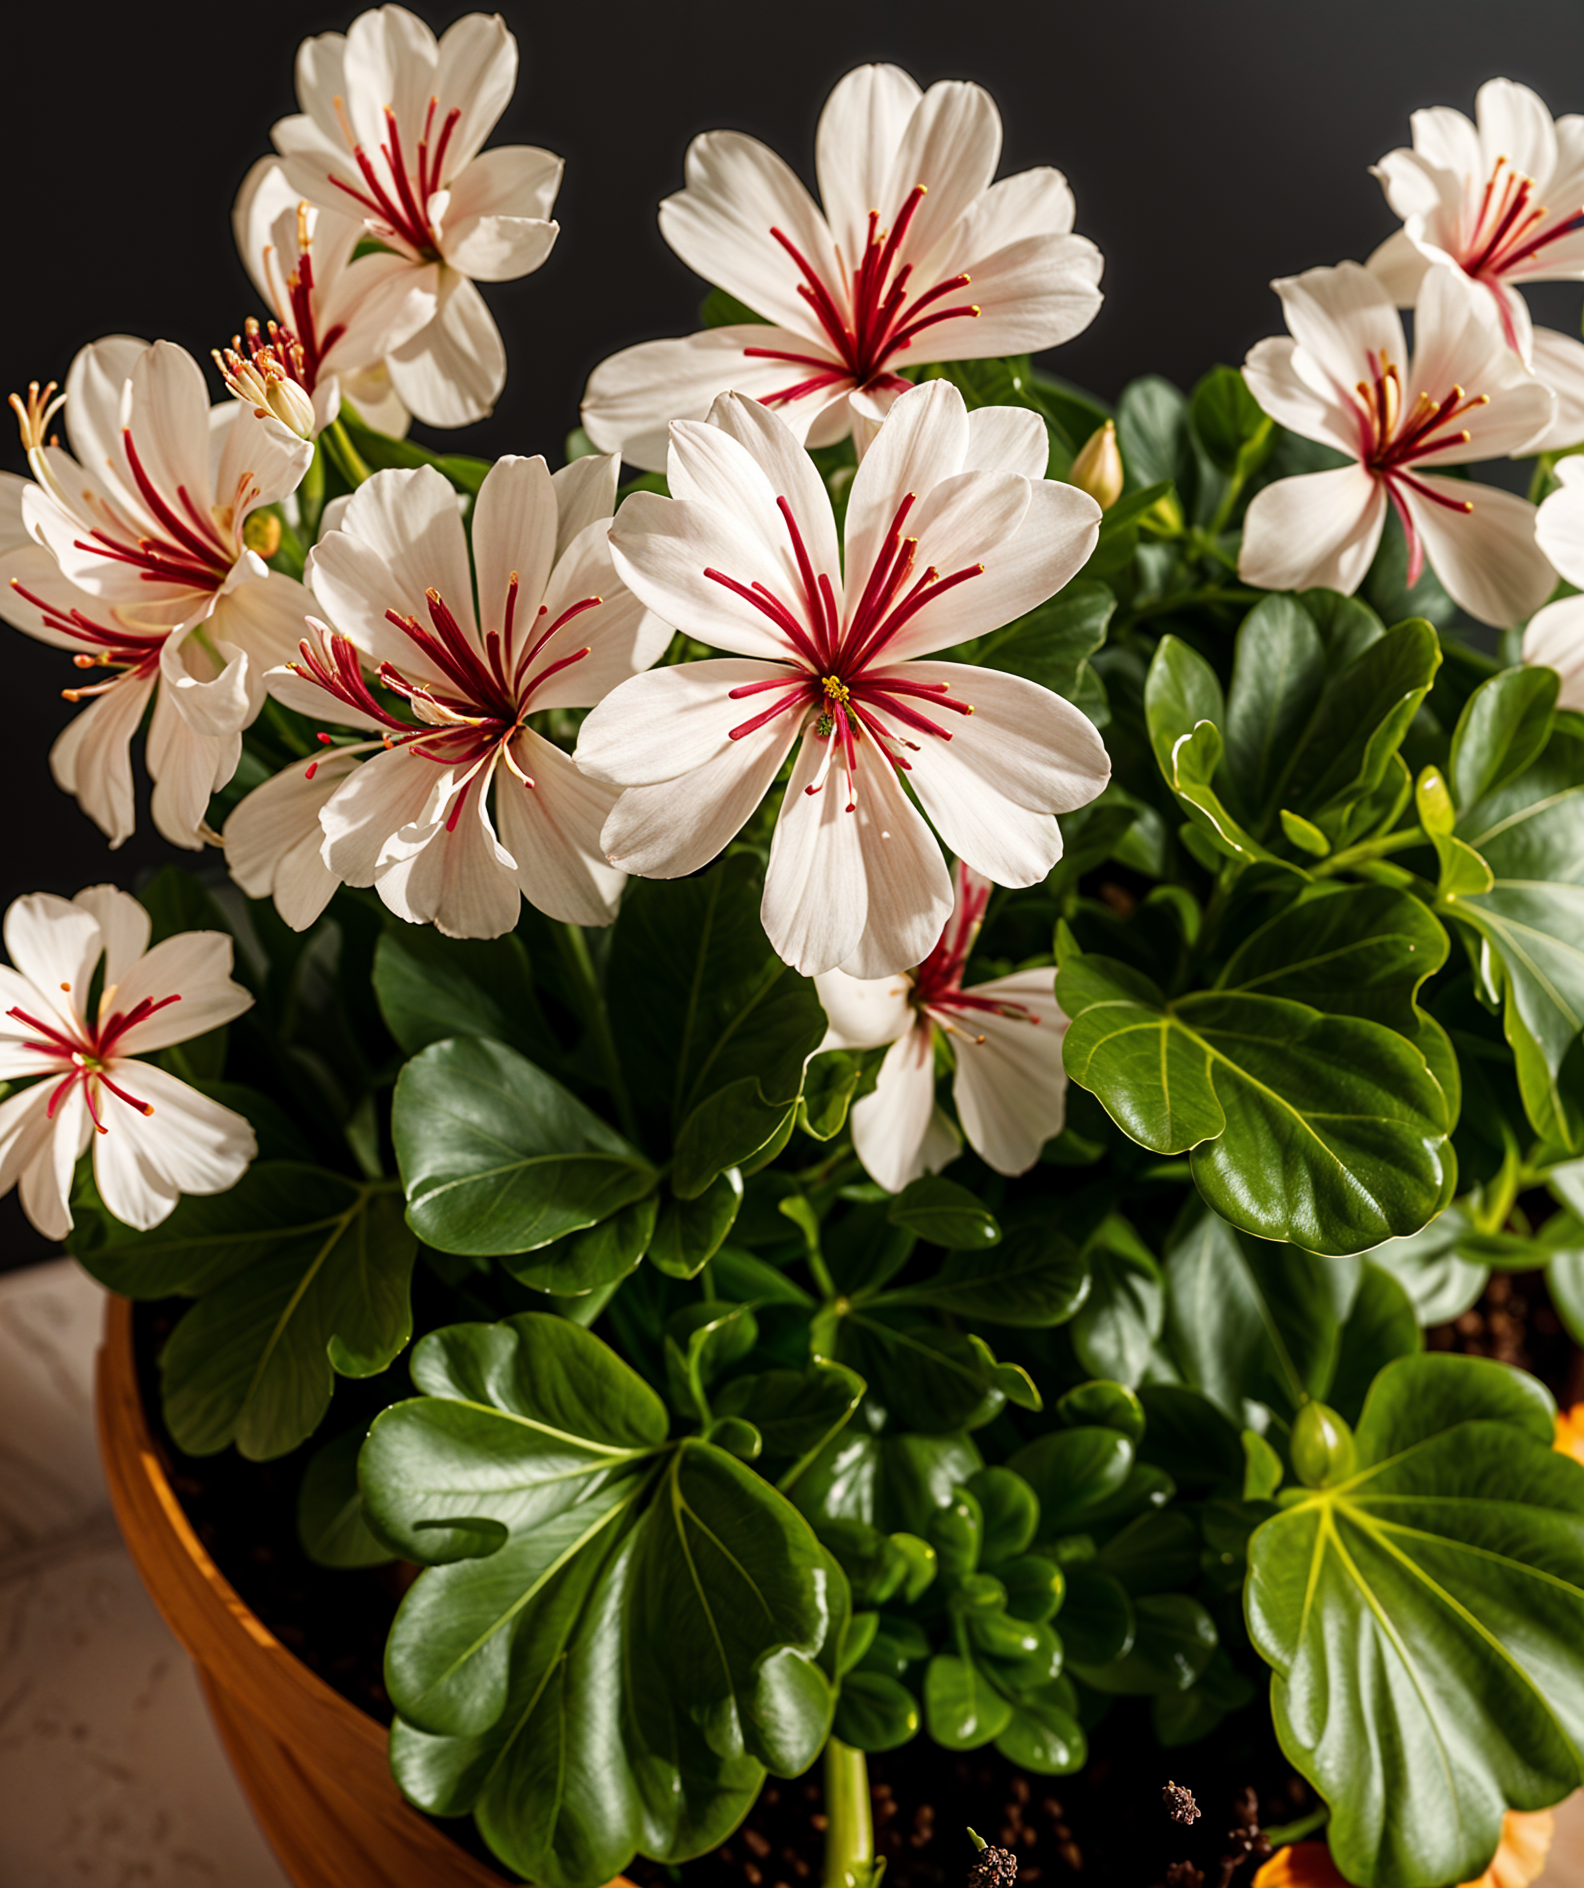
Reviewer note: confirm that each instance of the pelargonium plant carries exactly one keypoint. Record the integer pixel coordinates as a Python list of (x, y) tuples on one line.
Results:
[(942, 985)]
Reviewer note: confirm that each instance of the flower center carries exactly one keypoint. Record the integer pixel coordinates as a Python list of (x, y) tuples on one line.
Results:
[(476, 698), (835, 671), (82, 1053), (869, 316), (1509, 227), (397, 204), (1391, 441)]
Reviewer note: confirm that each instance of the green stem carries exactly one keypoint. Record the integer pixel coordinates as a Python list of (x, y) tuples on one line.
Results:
[(338, 442), (310, 494), (1296, 1831), (1370, 849), (591, 1006), (849, 1831)]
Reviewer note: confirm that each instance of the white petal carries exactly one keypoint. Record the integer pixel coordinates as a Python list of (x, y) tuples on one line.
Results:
[(1010, 1087), (738, 190), (497, 224), (952, 145), (1486, 557), (267, 619), (1448, 140), (47, 1159), (194, 966), (461, 881), (678, 826), (54, 944), (1458, 341), (514, 532), (92, 757), (379, 301), (476, 69), (1338, 316), (1558, 362), (207, 681), (778, 455), (1034, 293), (924, 440), (186, 768), (451, 372), (1513, 123), (891, 1125), (585, 492), (1399, 265), (1036, 202), (552, 830), (666, 722), (273, 839), (862, 1013), (622, 636), (393, 793), (860, 130), (260, 461), (408, 539), (1319, 530), (632, 397), (1024, 755), (123, 924), (1270, 375), (1555, 640), (189, 1144), (1007, 439), (1559, 526)]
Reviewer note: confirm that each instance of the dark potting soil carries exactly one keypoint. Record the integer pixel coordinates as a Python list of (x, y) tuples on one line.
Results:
[(1106, 1824)]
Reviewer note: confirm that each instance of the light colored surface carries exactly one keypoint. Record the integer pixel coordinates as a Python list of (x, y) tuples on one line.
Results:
[(110, 1773)]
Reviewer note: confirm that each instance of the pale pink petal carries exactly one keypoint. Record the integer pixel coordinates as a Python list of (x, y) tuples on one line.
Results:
[(678, 826), (186, 768), (622, 636), (1317, 531), (666, 722), (633, 396), (860, 131), (862, 1014), (1007, 439), (585, 493), (1338, 316), (188, 1144), (1554, 639), (123, 924), (1270, 375), (552, 830), (514, 533), (662, 549), (1010, 1087), (952, 145), (1023, 755), (1558, 362), (451, 372), (738, 190), (461, 880), (92, 757), (53, 943), (395, 793), (1486, 557), (497, 223), (890, 1126), (924, 440)]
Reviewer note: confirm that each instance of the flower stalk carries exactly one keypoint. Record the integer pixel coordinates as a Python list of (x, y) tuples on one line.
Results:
[(849, 1830)]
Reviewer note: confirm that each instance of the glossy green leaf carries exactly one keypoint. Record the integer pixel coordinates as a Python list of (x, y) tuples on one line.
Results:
[(1071, 1471), (962, 1708), (733, 1127), (1116, 1327), (1097, 1620), (1381, 1326), (1052, 645), (497, 1157), (323, 1292), (1107, 1405), (1232, 426), (1502, 731), (1009, 1512), (1186, 1717), (689, 1233), (830, 1083), (1194, 1441), (330, 1522), (930, 1380), (796, 1412), (1174, 1640), (1436, 1596), (890, 1482), (944, 1213), (1043, 1735), (1329, 1131), (875, 1712), (430, 987), (1034, 1278)]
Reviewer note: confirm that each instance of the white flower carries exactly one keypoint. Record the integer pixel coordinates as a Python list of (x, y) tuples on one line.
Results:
[(338, 317), (951, 530), (555, 628), (92, 759), (391, 132), (1555, 635), (1006, 1038), (156, 1138), (1503, 201), (1345, 378), (915, 257)]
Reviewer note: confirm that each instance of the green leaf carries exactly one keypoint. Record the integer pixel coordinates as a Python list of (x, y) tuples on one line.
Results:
[(1009, 1512), (1035, 1277), (962, 1708), (890, 1482), (1252, 1320), (1329, 1131), (1185, 1717), (1381, 1326), (720, 310), (1174, 1641), (1096, 1617), (1043, 1735), (1440, 1268), (1106, 1405), (378, 451), (1193, 1441), (797, 1412), (691, 1232), (1502, 731), (733, 1127), (1435, 1593), (1052, 645), (1071, 1472), (630, 1636), (497, 1157), (582, 1262), (322, 1291), (830, 1083), (875, 1712), (1233, 428), (943, 1213), (1117, 1324), (929, 1380), (330, 1521), (1152, 430), (430, 987)]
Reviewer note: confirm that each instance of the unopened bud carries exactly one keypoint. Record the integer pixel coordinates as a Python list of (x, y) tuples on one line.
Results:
[(292, 407), (261, 532), (1098, 468), (1323, 1452)]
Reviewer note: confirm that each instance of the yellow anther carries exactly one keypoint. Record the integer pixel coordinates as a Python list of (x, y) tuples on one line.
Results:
[(836, 690)]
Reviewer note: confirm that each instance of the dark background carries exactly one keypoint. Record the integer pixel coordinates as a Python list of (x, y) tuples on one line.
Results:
[(1212, 145)]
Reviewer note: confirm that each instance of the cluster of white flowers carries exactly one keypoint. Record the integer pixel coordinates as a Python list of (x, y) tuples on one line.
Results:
[(144, 552)]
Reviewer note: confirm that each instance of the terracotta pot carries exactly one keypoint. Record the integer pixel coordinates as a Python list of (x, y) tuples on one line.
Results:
[(311, 1764)]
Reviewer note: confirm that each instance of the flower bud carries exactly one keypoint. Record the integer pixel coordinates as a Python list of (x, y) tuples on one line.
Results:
[(261, 532), (1098, 468), (291, 406), (1322, 1446)]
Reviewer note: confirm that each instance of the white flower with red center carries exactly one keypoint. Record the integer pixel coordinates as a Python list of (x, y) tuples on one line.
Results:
[(153, 519), (336, 315), (555, 628), (951, 531), (915, 257), (1554, 637), (1345, 378), (92, 758), (391, 132), (1502, 200), (1006, 1041), (154, 1138)]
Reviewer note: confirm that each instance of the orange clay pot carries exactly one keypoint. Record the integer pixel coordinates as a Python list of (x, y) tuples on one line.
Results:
[(312, 1765)]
